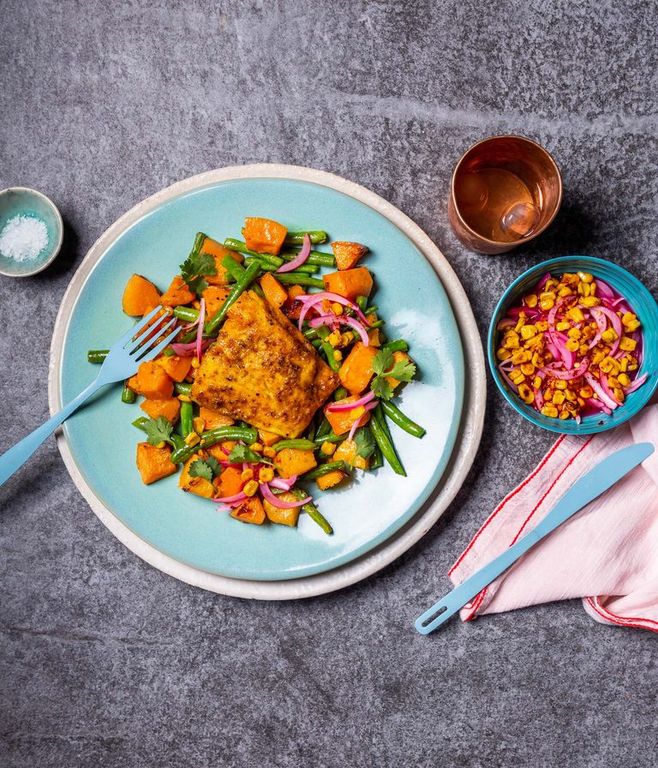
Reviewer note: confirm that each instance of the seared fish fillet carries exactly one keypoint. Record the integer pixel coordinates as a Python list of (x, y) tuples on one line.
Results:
[(262, 370)]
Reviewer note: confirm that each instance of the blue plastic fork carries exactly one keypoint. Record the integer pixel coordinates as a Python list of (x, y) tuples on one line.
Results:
[(142, 342)]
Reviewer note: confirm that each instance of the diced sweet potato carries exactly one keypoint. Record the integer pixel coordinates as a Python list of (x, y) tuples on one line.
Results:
[(139, 296), (229, 482), (263, 235), (221, 452), (356, 371), (215, 297), (153, 463), (274, 292), (197, 485), (346, 452), (341, 421), (347, 255), (294, 291), (398, 357), (178, 293), (267, 438), (213, 418), (175, 367), (286, 516), (169, 408), (375, 337), (219, 252), (152, 381), (293, 461), (349, 283), (330, 479), (250, 511)]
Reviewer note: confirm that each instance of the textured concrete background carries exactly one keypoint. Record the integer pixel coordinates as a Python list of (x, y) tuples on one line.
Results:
[(106, 662)]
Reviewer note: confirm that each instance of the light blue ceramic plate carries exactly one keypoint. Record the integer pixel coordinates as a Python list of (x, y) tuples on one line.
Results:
[(366, 512)]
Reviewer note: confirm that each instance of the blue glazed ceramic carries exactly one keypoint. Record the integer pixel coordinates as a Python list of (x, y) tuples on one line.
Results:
[(364, 513), (22, 201), (639, 299)]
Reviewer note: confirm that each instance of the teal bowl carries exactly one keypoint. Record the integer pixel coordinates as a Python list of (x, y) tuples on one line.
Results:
[(22, 201), (641, 302)]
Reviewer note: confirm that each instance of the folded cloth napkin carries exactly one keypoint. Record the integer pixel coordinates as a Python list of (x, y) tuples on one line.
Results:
[(607, 554)]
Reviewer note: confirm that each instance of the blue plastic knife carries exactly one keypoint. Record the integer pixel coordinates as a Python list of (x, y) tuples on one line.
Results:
[(592, 484)]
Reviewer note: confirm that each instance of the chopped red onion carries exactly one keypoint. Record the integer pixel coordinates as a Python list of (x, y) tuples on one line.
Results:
[(275, 501), (343, 406), (299, 259)]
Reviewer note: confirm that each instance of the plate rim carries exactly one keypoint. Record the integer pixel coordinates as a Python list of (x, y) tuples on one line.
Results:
[(466, 443)]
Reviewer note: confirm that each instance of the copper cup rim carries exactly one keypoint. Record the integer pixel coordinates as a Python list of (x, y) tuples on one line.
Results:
[(530, 236)]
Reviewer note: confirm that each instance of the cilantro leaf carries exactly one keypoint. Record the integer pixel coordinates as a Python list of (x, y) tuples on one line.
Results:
[(382, 361), (244, 454), (365, 443), (201, 468), (404, 370), (193, 269), (382, 389), (384, 365), (158, 430)]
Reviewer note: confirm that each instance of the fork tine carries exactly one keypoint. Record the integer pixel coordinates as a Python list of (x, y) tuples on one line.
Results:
[(153, 330), (138, 327), (154, 352), (141, 349)]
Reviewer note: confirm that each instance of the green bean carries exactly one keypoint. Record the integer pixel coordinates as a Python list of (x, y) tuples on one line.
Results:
[(340, 393), (240, 247), (311, 334), (183, 388), (300, 445), (187, 314), (318, 258), (178, 441), (324, 469), (383, 439), (168, 352), (362, 302), (309, 269), (376, 460), (241, 285), (310, 432), (299, 278), (234, 268), (376, 324), (399, 418), (97, 355), (399, 345), (317, 343), (212, 436), (330, 437), (128, 395), (140, 422), (323, 429), (313, 512), (186, 418), (315, 235), (323, 333)]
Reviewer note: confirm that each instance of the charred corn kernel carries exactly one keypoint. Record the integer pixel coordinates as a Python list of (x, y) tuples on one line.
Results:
[(334, 338), (195, 362), (265, 474), (541, 326), (550, 284), (517, 377), (184, 399), (546, 304), (199, 424), (534, 342), (613, 381), (627, 344), (250, 488), (257, 447), (586, 392), (550, 411), (196, 304), (583, 349), (632, 366), (527, 369), (558, 398), (346, 338), (192, 439), (528, 331), (327, 448), (576, 314), (247, 474), (590, 301), (521, 356), (520, 323), (536, 360), (563, 291), (623, 379), (572, 345), (563, 325), (581, 402), (609, 335), (337, 308), (630, 321), (574, 333), (618, 392), (623, 364), (536, 382), (560, 384), (161, 444), (597, 356), (526, 394), (570, 395), (592, 289), (530, 300), (583, 289), (564, 414), (503, 354), (586, 277), (570, 278), (269, 452), (338, 355)]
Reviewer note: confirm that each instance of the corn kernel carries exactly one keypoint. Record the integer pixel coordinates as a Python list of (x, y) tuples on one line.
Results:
[(583, 349), (328, 448), (195, 362), (534, 342), (574, 333), (337, 308), (547, 295), (526, 394), (536, 382), (576, 314), (546, 304), (558, 398), (581, 402), (570, 278), (250, 488), (347, 338), (334, 338), (184, 399), (247, 474), (597, 356), (627, 344), (572, 345), (161, 444), (632, 366), (338, 355), (541, 326), (618, 392), (583, 289), (530, 300), (551, 283), (192, 439), (521, 356), (503, 354), (560, 384), (269, 452), (564, 291), (564, 415), (623, 379), (570, 395), (630, 321), (563, 325), (586, 392), (199, 424), (257, 447), (550, 411), (613, 381), (623, 364), (609, 335), (586, 277), (520, 323), (528, 331), (527, 369), (265, 474), (590, 301), (517, 377)]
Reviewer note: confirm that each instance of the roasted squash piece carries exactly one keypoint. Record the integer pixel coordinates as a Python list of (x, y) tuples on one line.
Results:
[(219, 252), (152, 381), (346, 452), (178, 293), (286, 516), (229, 482), (154, 463), (293, 461), (274, 292), (215, 297), (197, 485), (356, 371), (212, 419), (267, 438), (139, 296), (347, 255), (175, 367), (263, 235), (341, 421), (330, 480), (349, 283), (221, 452), (169, 408), (250, 511), (375, 337)]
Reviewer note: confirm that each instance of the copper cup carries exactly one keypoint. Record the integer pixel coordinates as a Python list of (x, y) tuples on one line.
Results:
[(531, 164)]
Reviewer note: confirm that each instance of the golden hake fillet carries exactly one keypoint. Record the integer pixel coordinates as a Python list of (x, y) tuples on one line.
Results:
[(263, 371)]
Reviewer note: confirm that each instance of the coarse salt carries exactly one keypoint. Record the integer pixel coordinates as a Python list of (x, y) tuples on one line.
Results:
[(23, 238)]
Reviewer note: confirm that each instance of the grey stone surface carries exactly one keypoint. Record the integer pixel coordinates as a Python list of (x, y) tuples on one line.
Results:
[(107, 662)]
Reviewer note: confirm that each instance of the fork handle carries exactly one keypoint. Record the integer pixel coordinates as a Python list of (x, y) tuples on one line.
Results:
[(18, 454)]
